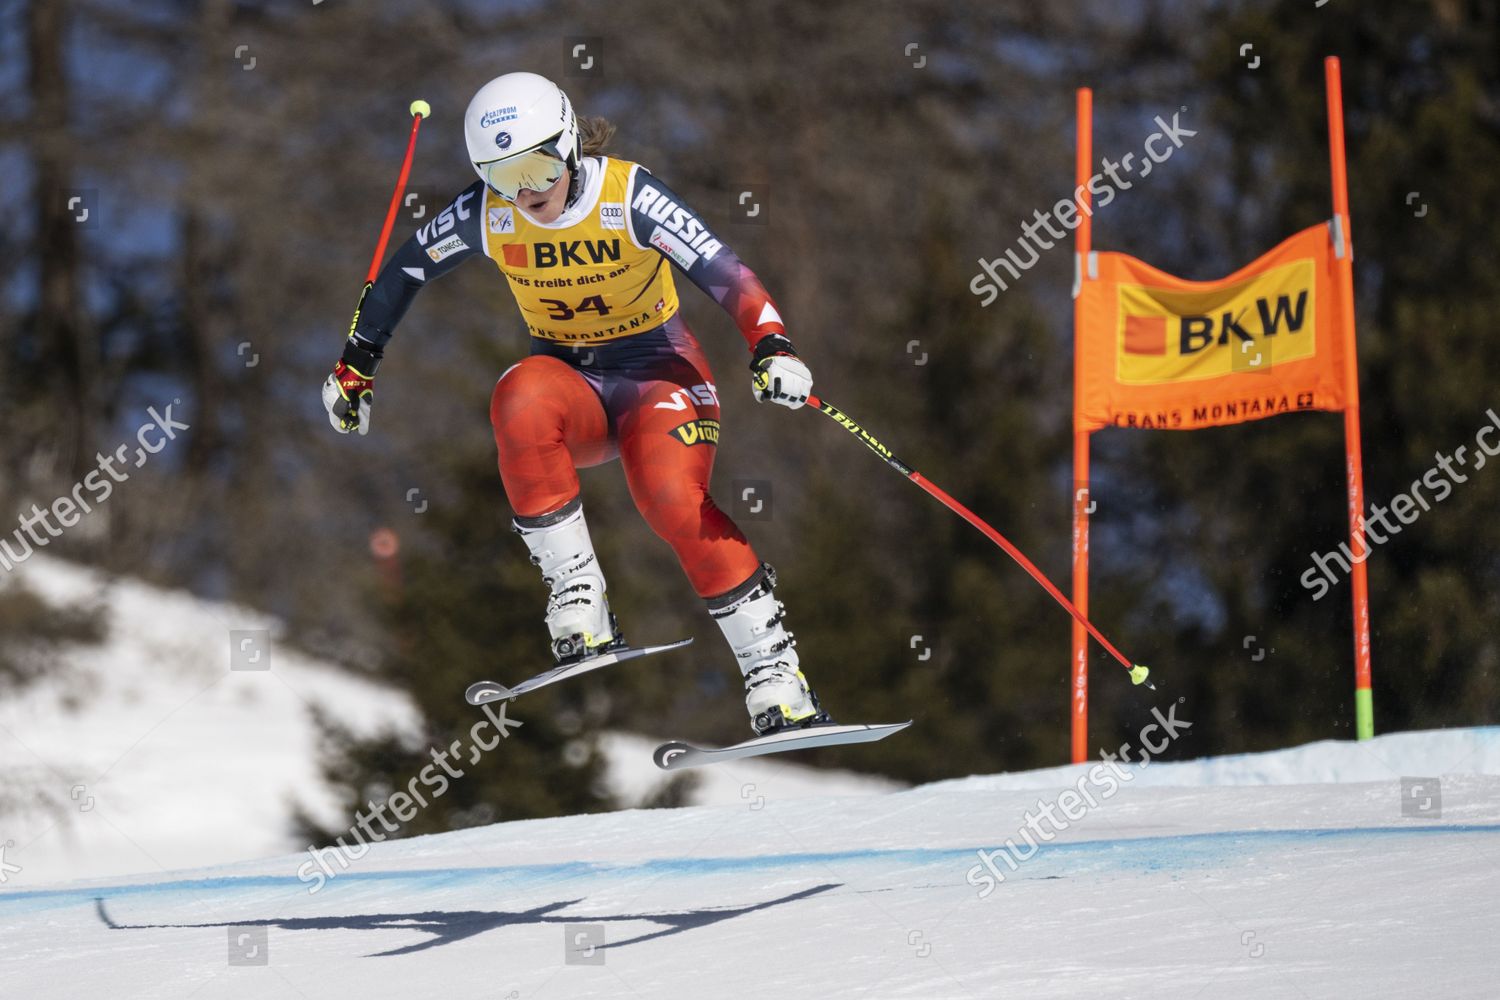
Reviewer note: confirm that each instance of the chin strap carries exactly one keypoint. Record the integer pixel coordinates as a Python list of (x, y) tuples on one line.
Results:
[(575, 184)]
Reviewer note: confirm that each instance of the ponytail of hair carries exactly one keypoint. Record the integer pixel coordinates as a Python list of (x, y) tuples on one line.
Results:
[(594, 134)]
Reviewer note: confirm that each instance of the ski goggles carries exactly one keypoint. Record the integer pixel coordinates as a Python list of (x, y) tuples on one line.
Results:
[(536, 169)]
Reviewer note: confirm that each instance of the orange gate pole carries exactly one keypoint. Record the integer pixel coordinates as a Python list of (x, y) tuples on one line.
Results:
[(1364, 711), (1081, 502)]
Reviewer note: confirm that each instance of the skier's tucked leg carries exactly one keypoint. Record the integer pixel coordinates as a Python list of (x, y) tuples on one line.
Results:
[(548, 422), (667, 443), (667, 437)]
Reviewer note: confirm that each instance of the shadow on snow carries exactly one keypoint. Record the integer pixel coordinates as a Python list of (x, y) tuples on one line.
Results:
[(448, 926)]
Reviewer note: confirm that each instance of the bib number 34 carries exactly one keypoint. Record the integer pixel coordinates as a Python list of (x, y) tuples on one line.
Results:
[(558, 309)]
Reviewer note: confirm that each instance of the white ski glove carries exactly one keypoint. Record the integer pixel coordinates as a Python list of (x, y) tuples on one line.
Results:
[(779, 375), (349, 392)]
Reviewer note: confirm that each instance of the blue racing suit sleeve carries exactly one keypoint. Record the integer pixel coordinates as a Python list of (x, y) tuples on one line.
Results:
[(448, 239), (658, 218)]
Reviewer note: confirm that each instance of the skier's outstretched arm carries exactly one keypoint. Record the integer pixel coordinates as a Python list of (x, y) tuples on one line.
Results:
[(450, 238), (658, 218)]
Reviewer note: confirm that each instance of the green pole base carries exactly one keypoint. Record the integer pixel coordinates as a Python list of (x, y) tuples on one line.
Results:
[(1364, 714)]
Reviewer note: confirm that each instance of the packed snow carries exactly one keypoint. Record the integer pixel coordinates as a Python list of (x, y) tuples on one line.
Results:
[(1329, 870), (1334, 870), (146, 752)]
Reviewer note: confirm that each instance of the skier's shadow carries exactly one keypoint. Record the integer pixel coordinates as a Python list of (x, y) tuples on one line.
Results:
[(448, 926)]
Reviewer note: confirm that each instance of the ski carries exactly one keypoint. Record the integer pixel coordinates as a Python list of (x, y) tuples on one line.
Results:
[(678, 755), (482, 692)]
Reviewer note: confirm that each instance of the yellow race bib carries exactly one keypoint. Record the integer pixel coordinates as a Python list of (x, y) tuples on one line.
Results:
[(587, 281)]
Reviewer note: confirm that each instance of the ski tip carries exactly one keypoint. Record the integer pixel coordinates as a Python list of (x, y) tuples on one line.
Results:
[(484, 692), (667, 753)]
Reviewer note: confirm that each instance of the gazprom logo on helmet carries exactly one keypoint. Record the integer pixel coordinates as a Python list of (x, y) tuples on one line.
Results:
[(502, 139), (498, 115)]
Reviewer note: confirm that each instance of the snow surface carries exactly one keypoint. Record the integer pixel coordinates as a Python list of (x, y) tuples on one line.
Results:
[(1305, 873), (147, 753)]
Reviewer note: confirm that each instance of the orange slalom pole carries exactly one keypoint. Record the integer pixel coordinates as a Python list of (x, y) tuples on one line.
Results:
[(1364, 709), (1081, 494)]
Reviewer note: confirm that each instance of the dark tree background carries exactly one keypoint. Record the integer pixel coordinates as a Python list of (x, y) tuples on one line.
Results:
[(235, 159)]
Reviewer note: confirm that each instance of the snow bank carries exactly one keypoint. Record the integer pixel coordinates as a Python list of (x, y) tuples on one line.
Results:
[(1393, 755), (148, 753)]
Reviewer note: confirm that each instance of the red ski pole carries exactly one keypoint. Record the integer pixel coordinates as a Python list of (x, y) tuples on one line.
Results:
[(1138, 673), (419, 109)]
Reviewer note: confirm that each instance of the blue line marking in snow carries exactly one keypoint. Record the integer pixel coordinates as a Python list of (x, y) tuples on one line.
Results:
[(1073, 858)]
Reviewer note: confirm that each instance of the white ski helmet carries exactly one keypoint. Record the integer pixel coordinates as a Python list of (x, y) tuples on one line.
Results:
[(519, 127)]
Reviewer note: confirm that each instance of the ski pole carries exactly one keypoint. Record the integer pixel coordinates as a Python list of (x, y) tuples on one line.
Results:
[(419, 109), (1138, 673)]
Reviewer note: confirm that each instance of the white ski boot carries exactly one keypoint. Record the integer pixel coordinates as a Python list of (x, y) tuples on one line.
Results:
[(578, 615), (776, 694)]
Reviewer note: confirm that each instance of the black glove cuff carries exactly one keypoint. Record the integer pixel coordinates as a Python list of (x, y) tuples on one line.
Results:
[(360, 359), (769, 345)]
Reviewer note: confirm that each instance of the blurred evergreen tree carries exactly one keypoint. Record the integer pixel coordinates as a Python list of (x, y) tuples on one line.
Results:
[(239, 207), (1204, 537), (914, 614)]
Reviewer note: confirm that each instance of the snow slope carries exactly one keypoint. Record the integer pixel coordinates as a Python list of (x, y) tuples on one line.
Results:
[(147, 753), (1307, 873)]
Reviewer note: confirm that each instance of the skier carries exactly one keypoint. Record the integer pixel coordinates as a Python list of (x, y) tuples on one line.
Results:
[(584, 241)]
